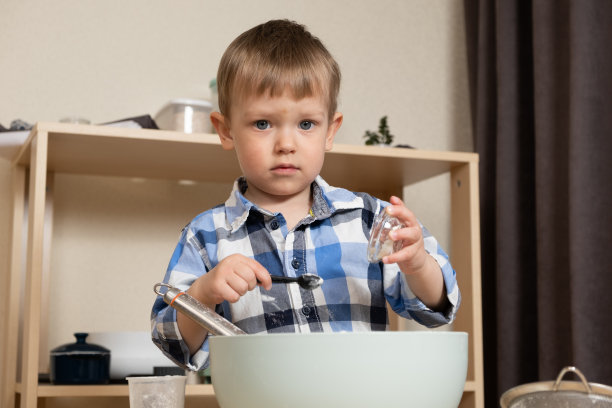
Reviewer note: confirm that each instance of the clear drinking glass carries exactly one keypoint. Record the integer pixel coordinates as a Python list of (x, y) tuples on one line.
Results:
[(380, 245)]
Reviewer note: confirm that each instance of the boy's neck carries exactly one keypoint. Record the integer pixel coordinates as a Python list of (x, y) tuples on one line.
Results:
[(293, 208)]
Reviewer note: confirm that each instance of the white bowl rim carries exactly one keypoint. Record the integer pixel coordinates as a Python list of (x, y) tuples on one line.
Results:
[(417, 333)]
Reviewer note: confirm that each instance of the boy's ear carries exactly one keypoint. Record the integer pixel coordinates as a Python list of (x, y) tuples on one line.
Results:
[(221, 124), (332, 130)]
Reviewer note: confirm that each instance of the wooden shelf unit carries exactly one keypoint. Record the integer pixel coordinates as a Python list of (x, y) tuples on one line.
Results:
[(112, 151)]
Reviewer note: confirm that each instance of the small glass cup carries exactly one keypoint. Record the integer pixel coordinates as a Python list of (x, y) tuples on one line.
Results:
[(166, 391), (380, 245)]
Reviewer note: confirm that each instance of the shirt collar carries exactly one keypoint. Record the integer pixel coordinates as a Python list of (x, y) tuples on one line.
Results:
[(327, 200)]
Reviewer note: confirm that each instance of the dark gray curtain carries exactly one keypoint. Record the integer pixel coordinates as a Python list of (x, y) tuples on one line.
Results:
[(541, 82)]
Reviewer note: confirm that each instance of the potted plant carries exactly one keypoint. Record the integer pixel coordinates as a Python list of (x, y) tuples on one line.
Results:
[(382, 137)]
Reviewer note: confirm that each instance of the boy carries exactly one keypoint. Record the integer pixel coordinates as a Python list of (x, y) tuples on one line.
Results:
[(278, 87)]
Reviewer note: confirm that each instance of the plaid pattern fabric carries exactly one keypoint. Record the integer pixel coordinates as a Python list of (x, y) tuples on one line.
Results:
[(330, 242)]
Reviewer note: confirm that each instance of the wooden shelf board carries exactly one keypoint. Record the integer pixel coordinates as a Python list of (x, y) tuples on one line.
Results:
[(122, 390), (111, 390), (103, 150)]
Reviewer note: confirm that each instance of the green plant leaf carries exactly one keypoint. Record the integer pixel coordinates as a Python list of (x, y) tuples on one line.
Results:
[(382, 137)]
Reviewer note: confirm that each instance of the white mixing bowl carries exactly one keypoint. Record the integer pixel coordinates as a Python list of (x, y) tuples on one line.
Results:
[(370, 369)]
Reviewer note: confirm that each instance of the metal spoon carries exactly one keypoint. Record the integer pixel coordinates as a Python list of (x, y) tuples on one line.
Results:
[(306, 281)]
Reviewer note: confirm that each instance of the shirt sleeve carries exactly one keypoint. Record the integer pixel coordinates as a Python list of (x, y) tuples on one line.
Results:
[(406, 304), (186, 265)]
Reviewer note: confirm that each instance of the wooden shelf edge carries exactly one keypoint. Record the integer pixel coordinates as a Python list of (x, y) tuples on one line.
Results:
[(110, 390), (121, 390), (200, 390), (470, 386)]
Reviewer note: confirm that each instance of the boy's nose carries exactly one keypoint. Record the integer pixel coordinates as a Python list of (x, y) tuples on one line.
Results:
[(285, 141)]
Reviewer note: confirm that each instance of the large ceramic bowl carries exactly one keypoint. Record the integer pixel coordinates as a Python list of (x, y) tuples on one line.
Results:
[(372, 369)]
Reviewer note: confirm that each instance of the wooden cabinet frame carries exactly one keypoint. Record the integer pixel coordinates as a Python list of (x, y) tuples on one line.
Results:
[(101, 150)]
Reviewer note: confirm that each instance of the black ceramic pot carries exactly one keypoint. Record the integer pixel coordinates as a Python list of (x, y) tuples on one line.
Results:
[(79, 363)]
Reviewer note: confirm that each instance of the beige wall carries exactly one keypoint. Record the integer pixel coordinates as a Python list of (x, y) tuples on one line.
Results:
[(107, 60)]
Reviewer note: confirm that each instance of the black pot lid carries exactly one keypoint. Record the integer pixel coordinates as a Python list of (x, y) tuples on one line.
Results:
[(80, 347)]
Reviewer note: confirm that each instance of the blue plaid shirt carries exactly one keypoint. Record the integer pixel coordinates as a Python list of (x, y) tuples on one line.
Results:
[(330, 242)]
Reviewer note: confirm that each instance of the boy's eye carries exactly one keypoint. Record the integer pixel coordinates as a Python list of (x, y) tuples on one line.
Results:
[(306, 125), (262, 124)]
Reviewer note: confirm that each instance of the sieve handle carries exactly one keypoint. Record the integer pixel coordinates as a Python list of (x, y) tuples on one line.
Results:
[(196, 311)]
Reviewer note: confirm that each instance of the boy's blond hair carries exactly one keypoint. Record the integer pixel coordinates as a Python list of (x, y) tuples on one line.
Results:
[(275, 55)]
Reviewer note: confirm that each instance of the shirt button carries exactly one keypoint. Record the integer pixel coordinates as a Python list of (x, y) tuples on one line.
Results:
[(274, 224), (295, 263), (306, 310)]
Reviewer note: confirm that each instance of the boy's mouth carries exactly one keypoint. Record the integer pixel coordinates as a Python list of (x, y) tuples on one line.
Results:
[(285, 165), (285, 168)]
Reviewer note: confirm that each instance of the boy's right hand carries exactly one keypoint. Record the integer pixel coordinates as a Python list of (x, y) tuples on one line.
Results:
[(233, 277)]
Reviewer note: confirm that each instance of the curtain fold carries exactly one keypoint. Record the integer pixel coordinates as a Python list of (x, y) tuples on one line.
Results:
[(541, 93)]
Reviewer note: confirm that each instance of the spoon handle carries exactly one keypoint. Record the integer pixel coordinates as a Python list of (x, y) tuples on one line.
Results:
[(283, 279)]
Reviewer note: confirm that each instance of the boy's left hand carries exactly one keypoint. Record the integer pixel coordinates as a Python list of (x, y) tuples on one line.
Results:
[(412, 258), (423, 273)]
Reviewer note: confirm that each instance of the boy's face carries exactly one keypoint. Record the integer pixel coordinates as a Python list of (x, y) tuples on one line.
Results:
[(280, 142)]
